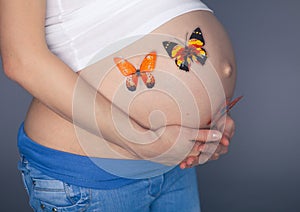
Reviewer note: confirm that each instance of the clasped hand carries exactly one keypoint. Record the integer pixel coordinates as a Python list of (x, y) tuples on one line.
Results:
[(207, 148)]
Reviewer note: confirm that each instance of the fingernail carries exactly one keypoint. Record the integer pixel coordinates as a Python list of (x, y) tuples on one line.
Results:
[(216, 135), (182, 166)]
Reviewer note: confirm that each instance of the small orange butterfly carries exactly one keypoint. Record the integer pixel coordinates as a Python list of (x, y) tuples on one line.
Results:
[(132, 74)]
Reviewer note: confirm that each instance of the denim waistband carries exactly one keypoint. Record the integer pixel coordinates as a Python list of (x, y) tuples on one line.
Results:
[(100, 173)]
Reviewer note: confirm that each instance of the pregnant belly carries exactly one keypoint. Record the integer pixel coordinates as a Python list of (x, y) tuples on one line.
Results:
[(178, 97)]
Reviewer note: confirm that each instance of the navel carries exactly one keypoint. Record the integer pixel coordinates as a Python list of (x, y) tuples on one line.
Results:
[(227, 70)]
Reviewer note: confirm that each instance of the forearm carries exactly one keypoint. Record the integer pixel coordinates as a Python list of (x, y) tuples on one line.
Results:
[(27, 60), (67, 94), (51, 81)]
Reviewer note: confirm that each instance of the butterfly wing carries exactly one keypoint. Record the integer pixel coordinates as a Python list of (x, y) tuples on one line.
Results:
[(177, 51), (149, 62), (147, 66), (169, 47), (183, 62), (196, 43), (131, 82), (148, 79), (198, 54), (125, 67), (197, 35), (128, 70)]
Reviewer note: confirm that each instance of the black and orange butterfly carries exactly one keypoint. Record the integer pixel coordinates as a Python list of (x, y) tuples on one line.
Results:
[(132, 74), (192, 51)]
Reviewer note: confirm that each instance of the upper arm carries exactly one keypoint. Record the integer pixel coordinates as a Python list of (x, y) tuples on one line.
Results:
[(21, 31)]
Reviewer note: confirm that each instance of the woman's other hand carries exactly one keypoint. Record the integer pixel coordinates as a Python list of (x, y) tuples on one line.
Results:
[(201, 150)]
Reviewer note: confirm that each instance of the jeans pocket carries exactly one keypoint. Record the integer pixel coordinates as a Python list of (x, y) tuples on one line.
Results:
[(49, 194), (55, 195), (22, 166)]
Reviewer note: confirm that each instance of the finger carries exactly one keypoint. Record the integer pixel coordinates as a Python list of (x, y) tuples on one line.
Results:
[(201, 147), (203, 158), (221, 150), (209, 148), (183, 165), (215, 156), (229, 127), (207, 153), (194, 151), (208, 135), (189, 162), (192, 161), (218, 149), (225, 141), (224, 150)]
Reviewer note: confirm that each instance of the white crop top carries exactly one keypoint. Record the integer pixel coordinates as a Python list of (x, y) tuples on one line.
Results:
[(77, 29)]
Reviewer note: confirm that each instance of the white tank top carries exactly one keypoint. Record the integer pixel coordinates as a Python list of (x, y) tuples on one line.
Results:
[(77, 29)]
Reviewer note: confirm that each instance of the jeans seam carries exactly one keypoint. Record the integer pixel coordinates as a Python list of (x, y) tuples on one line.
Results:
[(88, 201)]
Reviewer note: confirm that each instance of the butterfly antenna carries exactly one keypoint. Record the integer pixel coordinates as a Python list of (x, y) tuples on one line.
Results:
[(186, 36), (180, 41)]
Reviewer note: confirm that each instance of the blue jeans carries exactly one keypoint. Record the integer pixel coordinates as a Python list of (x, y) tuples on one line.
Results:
[(173, 191)]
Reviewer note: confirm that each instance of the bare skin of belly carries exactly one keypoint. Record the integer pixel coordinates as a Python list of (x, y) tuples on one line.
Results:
[(147, 106)]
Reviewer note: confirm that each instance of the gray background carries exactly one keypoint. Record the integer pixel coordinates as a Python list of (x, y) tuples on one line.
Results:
[(261, 172)]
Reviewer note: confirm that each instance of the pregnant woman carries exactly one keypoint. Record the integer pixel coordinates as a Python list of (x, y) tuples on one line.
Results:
[(97, 139)]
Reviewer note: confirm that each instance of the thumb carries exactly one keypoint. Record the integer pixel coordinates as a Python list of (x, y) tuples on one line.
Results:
[(208, 135)]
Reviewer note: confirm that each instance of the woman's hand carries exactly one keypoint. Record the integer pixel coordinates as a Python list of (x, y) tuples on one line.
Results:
[(201, 150), (176, 142)]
